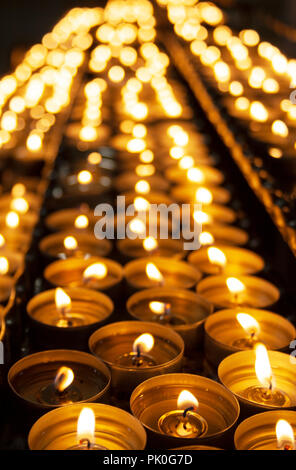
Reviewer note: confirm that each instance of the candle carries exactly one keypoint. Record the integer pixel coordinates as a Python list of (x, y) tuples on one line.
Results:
[(129, 180), (71, 219), (248, 291), (210, 410), (67, 316), (203, 195), (139, 248), (135, 351), (215, 213), (182, 310), (222, 234), (229, 331), (272, 430), (265, 380), (112, 429), (158, 271), (200, 174), (54, 378), (226, 260)]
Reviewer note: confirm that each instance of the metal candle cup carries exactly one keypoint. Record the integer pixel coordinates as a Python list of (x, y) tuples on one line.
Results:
[(32, 379), (225, 234), (259, 431), (258, 292), (115, 429), (156, 397), (224, 335), (26, 222), (89, 309), (237, 373), (175, 273), (239, 261), (64, 220), (209, 175), (114, 345), (186, 193), (186, 313), (127, 181), (131, 249)]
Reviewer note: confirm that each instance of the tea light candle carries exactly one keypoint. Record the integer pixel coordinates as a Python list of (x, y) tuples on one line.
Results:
[(160, 271), (129, 181), (71, 219), (70, 244), (182, 310), (271, 430), (214, 213), (229, 331), (68, 316), (210, 419), (249, 291), (105, 427), (12, 220), (135, 351), (226, 260), (200, 194), (93, 273), (222, 234), (139, 248), (260, 380), (54, 378), (201, 174), (14, 241)]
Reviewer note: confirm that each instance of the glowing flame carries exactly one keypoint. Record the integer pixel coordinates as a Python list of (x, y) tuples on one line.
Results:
[(62, 300), (202, 217), (195, 175), (206, 238), (248, 323), (187, 400), (262, 366), (285, 435), (143, 343), (203, 196), (84, 177), (280, 128), (150, 244), (63, 379), (18, 190), (142, 187), (86, 425), (216, 256), (141, 204), (81, 221), (96, 271), (2, 240), (19, 204), (234, 285), (153, 273), (158, 307), (4, 265), (12, 219), (137, 226), (70, 243)]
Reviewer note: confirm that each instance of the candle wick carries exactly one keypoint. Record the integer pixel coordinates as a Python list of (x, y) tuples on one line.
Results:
[(190, 408), (86, 442), (138, 351)]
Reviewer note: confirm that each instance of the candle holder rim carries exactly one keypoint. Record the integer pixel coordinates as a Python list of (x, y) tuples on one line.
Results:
[(80, 237)]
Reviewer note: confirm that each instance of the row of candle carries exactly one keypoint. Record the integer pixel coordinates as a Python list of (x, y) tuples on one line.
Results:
[(174, 407)]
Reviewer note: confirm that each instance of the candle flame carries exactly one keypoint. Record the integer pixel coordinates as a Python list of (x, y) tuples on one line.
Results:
[(206, 238), (62, 300), (150, 244), (137, 226), (202, 217), (2, 240), (96, 270), (248, 323), (4, 265), (142, 187), (263, 367), (285, 435), (84, 177), (153, 273), (203, 196), (216, 256), (187, 400), (141, 204), (19, 204), (12, 219), (63, 379), (234, 285), (195, 175), (86, 425), (70, 243), (81, 221), (143, 343), (18, 190), (159, 307)]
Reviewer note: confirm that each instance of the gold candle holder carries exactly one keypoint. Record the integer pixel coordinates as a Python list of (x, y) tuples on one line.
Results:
[(71, 219), (24, 224), (50, 379), (6, 286), (6, 201), (222, 234), (224, 335), (131, 249), (237, 373), (236, 262), (153, 197), (187, 193), (103, 275), (127, 181), (182, 310), (85, 245), (155, 404), (115, 345), (259, 431), (168, 273), (114, 429), (15, 240), (257, 292), (207, 174), (70, 324), (218, 214)]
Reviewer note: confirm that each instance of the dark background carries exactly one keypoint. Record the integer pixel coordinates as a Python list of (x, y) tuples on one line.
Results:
[(26, 21)]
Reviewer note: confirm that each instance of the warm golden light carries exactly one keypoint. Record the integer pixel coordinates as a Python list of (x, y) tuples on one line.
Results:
[(34, 142), (145, 170), (203, 196), (4, 265), (187, 400), (12, 219), (150, 244), (143, 343), (216, 256), (81, 221), (202, 217), (263, 367), (206, 238), (2, 240), (70, 243), (18, 190), (19, 204), (248, 323), (95, 271), (86, 425), (195, 175), (63, 379), (141, 204), (285, 435), (142, 187), (279, 128), (94, 158), (153, 273), (234, 285), (258, 111), (62, 300), (275, 152), (158, 307), (137, 226), (84, 177)]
